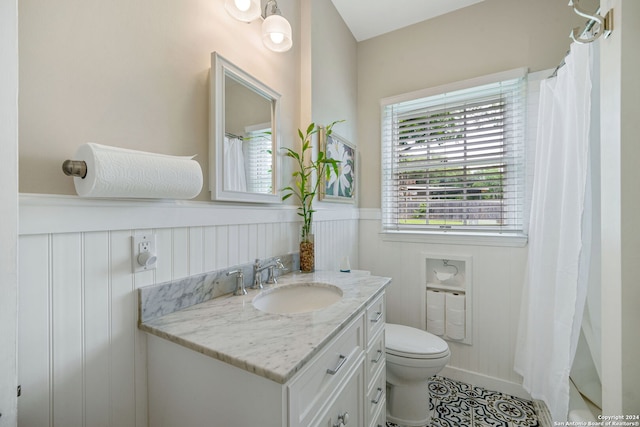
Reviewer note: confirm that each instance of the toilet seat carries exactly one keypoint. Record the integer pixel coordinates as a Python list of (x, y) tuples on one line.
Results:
[(411, 343)]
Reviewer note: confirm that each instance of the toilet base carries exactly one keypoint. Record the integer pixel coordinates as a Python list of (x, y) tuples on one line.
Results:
[(408, 405)]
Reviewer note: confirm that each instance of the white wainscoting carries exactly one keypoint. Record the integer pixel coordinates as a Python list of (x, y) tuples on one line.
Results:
[(81, 358), (498, 273)]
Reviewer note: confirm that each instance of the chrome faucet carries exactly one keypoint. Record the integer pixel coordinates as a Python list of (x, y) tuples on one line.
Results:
[(240, 290), (271, 278)]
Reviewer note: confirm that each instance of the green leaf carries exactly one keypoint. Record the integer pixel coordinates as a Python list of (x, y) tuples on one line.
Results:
[(330, 127), (286, 196), (310, 128)]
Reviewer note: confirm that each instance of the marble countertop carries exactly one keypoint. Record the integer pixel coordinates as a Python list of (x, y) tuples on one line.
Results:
[(274, 346)]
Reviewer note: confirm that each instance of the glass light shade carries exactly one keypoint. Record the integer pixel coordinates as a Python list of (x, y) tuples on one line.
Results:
[(243, 10), (276, 33)]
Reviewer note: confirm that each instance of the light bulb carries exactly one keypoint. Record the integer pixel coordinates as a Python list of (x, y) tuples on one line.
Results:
[(243, 10), (277, 38), (276, 33), (243, 5)]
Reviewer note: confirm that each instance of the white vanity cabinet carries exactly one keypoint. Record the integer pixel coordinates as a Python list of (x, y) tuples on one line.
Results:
[(224, 362), (342, 385)]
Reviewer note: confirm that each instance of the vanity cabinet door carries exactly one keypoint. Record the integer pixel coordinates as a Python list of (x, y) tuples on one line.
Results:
[(376, 397), (375, 364), (375, 359), (315, 385), (375, 317), (345, 410), (381, 418)]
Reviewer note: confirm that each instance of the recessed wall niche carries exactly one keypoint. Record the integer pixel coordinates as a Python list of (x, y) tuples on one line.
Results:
[(447, 290)]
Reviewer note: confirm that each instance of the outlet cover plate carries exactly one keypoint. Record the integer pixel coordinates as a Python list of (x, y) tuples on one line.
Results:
[(142, 243)]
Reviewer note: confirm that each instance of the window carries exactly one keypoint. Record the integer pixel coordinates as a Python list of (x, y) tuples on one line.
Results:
[(454, 161), (259, 160)]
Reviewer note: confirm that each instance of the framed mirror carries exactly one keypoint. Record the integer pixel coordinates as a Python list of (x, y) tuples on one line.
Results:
[(243, 136)]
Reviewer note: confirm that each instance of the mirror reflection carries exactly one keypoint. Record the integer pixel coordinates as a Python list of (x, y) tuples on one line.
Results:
[(247, 139), (243, 139)]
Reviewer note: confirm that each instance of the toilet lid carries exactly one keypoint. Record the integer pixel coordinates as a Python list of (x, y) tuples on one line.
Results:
[(405, 341)]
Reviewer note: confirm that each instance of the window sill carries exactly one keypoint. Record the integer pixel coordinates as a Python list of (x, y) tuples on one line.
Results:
[(452, 238)]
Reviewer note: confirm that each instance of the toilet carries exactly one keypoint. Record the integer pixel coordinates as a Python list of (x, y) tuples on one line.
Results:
[(413, 356)]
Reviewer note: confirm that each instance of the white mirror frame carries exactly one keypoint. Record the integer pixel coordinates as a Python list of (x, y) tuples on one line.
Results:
[(220, 67)]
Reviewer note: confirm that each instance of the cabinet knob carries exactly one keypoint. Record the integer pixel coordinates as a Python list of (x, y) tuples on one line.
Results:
[(342, 420)]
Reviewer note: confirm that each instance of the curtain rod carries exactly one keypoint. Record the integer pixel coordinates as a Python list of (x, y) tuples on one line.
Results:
[(232, 135)]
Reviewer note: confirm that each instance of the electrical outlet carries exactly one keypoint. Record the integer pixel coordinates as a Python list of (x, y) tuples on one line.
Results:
[(143, 252)]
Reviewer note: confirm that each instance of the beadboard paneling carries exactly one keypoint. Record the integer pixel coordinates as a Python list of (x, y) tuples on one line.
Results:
[(81, 358)]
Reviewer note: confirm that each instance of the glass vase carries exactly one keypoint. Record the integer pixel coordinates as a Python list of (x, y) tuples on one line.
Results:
[(307, 254)]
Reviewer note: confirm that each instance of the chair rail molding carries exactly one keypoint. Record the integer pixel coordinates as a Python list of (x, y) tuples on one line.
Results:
[(45, 213)]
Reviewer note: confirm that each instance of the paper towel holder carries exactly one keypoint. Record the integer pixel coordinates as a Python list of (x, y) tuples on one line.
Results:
[(75, 168)]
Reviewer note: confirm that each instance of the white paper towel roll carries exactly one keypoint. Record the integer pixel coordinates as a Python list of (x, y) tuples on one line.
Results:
[(435, 312), (455, 316), (118, 172)]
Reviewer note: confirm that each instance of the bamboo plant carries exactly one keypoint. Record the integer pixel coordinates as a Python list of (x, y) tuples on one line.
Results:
[(303, 188)]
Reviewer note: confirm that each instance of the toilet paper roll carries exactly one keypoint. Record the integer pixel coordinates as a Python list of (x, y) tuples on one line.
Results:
[(455, 332), (118, 172), (435, 312), (455, 316), (435, 306), (436, 327)]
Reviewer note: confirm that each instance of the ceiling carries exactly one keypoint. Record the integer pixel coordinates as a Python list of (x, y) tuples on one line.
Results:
[(370, 18)]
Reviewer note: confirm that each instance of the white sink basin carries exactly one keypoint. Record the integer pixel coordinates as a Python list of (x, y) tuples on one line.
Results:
[(297, 298)]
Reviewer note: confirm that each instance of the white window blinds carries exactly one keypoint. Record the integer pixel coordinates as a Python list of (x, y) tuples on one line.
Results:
[(455, 161), (259, 162)]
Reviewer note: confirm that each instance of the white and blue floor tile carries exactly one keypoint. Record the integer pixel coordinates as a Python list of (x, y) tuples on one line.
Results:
[(456, 404)]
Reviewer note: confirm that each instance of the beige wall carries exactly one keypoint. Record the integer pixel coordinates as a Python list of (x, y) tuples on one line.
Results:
[(134, 75), (488, 37), (334, 80)]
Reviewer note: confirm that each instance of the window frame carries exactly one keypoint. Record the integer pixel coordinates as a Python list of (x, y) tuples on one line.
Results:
[(457, 235)]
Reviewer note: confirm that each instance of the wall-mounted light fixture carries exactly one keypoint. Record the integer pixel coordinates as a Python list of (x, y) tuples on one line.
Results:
[(276, 30)]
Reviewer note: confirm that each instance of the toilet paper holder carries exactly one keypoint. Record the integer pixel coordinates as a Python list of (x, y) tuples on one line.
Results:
[(75, 168)]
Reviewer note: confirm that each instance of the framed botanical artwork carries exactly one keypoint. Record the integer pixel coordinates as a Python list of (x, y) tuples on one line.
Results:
[(338, 187)]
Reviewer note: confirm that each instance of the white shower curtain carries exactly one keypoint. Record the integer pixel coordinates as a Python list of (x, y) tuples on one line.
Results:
[(559, 236), (235, 178)]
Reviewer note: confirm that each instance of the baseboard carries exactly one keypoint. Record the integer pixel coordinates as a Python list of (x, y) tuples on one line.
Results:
[(485, 381)]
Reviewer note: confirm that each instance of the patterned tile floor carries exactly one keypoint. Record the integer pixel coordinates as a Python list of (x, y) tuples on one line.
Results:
[(456, 404)]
